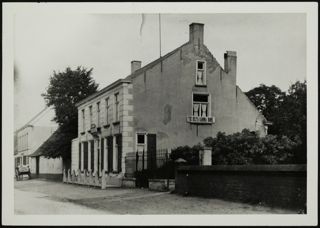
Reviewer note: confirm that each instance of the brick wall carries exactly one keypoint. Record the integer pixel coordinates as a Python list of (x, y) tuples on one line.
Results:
[(278, 185)]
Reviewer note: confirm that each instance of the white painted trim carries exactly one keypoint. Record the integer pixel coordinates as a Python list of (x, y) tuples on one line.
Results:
[(204, 71)]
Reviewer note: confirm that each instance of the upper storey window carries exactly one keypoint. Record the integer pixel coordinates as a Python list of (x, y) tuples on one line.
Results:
[(116, 104), (201, 73)]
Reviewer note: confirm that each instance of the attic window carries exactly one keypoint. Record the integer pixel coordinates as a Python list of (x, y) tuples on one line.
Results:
[(201, 73)]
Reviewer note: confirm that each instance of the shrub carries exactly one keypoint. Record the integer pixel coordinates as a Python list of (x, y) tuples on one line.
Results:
[(190, 154), (248, 148)]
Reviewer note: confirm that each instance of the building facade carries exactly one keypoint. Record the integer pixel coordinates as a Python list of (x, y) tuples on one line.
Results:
[(176, 100), (27, 141)]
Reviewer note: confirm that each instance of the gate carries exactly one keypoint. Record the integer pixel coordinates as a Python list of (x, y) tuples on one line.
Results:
[(147, 165)]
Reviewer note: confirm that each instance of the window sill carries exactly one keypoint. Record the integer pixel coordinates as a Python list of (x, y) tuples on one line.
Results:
[(116, 122), (200, 85), (201, 120)]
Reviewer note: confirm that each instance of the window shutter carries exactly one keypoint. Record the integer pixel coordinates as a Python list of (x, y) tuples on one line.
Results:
[(102, 154), (92, 155), (79, 156), (119, 144)]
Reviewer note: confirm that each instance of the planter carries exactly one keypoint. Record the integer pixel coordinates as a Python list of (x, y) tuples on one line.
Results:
[(161, 184)]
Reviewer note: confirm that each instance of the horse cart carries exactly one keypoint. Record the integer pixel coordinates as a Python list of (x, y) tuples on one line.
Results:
[(22, 170)]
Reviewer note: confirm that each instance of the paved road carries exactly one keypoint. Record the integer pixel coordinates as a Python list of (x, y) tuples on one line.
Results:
[(44, 197)]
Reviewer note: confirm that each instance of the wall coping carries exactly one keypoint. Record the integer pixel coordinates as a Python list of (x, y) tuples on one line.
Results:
[(256, 168)]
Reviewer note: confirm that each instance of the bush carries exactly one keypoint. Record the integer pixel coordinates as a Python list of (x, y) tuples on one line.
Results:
[(248, 148), (190, 154)]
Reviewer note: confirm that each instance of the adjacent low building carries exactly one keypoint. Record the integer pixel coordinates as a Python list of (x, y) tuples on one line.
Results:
[(176, 100), (29, 138)]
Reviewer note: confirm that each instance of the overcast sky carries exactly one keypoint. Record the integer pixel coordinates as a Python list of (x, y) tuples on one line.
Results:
[(271, 48)]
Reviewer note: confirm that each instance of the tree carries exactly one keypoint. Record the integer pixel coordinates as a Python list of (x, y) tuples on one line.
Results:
[(268, 100), (287, 111), (64, 91)]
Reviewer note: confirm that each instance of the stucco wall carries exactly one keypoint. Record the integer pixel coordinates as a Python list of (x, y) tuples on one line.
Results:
[(162, 99), (46, 165)]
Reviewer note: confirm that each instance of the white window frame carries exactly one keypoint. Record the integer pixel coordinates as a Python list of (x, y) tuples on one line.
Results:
[(145, 140), (209, 102), (98, 113), (90, 115), (116, 107), (204, 72), (107, 109), (83, 120)]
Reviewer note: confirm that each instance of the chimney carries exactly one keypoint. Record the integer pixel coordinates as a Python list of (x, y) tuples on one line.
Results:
[(135, 65), (230, 64), (196, 33)]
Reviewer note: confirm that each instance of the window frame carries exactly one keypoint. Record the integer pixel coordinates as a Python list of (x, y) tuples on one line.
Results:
[(98, 113), (204, 72), (107, 109), (116, 107), (83, 120), (90, 115), (209, 102)]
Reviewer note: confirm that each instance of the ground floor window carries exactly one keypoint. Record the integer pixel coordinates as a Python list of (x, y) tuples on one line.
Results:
[(103, 154), (141, 142)]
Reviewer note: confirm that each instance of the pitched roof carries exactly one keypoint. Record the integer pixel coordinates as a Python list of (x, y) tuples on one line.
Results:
[(129, 77), (42, 148), (155, 62)]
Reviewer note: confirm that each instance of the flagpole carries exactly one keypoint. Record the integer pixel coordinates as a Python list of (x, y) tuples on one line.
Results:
[(160, 34)]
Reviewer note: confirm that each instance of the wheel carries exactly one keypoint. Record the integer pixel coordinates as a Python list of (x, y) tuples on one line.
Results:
[(17, 175)]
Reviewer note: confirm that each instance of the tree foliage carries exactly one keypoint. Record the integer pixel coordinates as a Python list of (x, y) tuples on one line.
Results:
[(189, 154), (248, 148), (64, 91), (287, 111), (268, 100)]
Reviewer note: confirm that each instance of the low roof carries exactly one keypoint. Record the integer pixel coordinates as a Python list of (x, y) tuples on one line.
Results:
[(42, 148)]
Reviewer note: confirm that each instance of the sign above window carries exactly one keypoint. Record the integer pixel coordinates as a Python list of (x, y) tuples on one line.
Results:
[(201, 120)]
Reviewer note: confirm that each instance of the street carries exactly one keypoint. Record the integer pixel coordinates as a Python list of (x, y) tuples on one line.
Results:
[(38, 196)]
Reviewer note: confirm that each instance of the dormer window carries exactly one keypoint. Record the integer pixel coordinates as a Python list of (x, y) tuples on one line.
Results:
[(201, 73)]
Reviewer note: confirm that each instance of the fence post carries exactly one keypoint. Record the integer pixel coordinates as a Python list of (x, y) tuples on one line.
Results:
[(167, 169), (143, 159), (137, 160)]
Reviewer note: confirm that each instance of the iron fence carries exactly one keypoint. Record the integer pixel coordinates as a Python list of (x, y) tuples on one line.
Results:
[(155, 165)]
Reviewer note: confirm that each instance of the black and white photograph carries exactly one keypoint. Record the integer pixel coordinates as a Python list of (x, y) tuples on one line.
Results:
[(163, 113)]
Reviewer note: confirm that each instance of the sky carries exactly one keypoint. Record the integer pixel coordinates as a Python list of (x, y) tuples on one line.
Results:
[(271, 48)]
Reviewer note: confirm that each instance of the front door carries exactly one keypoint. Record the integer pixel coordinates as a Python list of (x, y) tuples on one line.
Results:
[(110, 153), (152, 151), (37, 164)]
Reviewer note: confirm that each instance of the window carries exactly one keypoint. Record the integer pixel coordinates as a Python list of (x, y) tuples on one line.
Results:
[(90, 112), (141, 141), (116, 103), (200, 106), (107, 110), (201, 73), (98, 113), (24, 160), (83, 121)]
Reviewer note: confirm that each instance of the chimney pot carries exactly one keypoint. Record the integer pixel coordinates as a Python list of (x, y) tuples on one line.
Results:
[(135, 65)]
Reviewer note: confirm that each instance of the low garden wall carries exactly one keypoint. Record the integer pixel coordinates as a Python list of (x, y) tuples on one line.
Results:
[(273, 185), (92, 179)]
